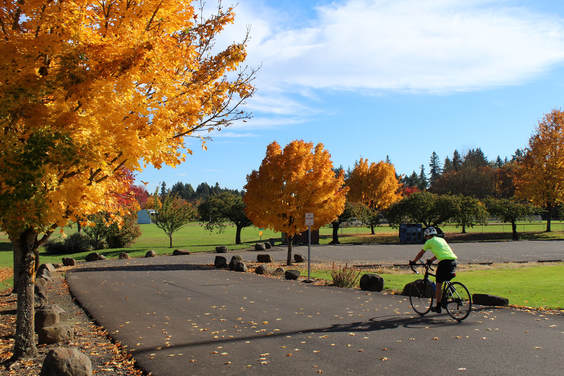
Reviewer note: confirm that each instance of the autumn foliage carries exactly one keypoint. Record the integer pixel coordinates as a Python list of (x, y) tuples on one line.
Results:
[(290, 183), (374, 185), (91, 89), (539, 175)]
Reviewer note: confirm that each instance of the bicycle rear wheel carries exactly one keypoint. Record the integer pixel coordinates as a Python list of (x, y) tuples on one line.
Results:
[(458, 301), (421, 297)]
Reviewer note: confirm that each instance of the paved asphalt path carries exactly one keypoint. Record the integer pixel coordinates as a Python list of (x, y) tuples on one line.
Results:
[(178, 318), (396, 253)]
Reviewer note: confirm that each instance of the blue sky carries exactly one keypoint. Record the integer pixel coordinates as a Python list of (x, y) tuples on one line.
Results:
[(371, 78)]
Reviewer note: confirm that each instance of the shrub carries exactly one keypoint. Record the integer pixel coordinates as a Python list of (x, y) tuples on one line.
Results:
[(97, 233), (103, 236), (78, 242), (344, 276), (55, 247), (125, 236), (75, 243)]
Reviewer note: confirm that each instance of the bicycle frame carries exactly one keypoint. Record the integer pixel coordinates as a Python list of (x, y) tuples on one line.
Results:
[(455, 296)]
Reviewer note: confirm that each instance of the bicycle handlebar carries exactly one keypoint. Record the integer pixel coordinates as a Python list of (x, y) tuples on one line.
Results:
[(424, 264)]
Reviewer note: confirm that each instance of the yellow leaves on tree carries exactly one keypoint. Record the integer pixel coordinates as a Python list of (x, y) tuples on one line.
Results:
[(374, 185), (291, 183), (539, 175), (90, 89)]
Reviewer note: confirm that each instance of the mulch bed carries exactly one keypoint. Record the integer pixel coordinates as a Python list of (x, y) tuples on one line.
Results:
[(107, 358)]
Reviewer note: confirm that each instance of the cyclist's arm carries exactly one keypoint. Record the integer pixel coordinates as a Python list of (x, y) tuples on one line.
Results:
[(419, 255)]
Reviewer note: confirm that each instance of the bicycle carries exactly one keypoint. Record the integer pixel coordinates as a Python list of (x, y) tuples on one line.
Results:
[(455, 298)]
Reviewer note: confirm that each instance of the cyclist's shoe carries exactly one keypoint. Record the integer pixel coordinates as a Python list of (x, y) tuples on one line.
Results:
[(436, 309)]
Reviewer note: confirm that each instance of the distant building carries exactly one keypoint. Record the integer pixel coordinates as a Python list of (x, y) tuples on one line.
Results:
[(144, 216)]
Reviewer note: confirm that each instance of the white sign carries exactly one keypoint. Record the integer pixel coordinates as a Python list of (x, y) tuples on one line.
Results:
[(309, 219)]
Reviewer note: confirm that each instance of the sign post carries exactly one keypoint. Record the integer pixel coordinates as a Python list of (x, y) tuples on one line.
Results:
[(309, 223)]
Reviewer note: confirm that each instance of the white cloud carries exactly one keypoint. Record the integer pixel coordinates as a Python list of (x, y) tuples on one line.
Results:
[(267, 123), (408, 45), (277, 104)]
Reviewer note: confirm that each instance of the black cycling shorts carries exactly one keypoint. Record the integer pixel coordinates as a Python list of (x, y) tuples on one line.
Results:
[(445, 270)]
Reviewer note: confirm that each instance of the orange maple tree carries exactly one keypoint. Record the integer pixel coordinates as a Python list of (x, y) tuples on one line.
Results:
[(290, 183), (374, 184), (539, 175), (89, 89)]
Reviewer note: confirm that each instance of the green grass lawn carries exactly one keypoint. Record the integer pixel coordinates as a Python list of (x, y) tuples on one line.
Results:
[(531, 286)]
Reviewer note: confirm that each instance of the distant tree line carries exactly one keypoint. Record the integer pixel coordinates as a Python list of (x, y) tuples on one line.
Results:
[(202, 192)]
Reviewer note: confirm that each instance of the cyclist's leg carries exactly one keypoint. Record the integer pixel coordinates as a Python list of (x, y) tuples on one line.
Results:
[(438, 292)]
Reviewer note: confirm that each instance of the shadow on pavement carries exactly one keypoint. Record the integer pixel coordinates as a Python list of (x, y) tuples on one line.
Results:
[(374, 324), (142, 268)]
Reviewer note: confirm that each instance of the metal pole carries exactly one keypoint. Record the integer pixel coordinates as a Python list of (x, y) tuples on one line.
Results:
[(308, 252)]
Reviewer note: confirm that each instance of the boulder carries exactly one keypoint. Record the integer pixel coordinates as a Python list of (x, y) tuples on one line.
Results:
[(259, 247), (220, 262), (371, 282), (180, 252), (292, 274), (221, 249), (68, 261), (49, 267), (47, 316), (40, 289), (299, 258), (94, 256), (44, 271), (66, 362), (261, 269), (150, 253), (234, 259), (267, 245), (413, 288), (55, 334), (278, 271), (489, 300), (264, 258), (239, 266), (124, 256)]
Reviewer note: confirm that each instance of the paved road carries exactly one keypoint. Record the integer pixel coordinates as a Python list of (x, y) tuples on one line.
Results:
[(389, 254), (181, 319)]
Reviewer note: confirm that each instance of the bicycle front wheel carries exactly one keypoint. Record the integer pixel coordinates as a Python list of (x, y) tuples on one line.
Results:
[(421, 297), (458, 301)]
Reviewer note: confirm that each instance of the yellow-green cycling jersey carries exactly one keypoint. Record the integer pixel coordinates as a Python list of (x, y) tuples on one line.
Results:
[(441, 250)]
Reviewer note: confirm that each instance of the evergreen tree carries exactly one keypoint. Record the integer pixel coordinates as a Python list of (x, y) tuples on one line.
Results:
[(456, 161), (475, 158), (447, 166), (422, 181), (164, 191), (435, 168), (203, 191)]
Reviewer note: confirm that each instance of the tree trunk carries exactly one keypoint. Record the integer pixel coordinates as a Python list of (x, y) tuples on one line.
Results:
[(289, 258), (514, 230), (549, 219), (238, 234), (25, 249), (464, 228), (170, 240), (372, 229), (17, 266), (335, 240)]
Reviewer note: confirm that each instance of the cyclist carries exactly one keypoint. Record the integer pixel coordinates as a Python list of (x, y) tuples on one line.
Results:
[(447, 261)]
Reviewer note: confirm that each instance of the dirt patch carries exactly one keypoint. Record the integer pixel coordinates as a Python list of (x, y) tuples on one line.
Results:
[(107, 358)]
